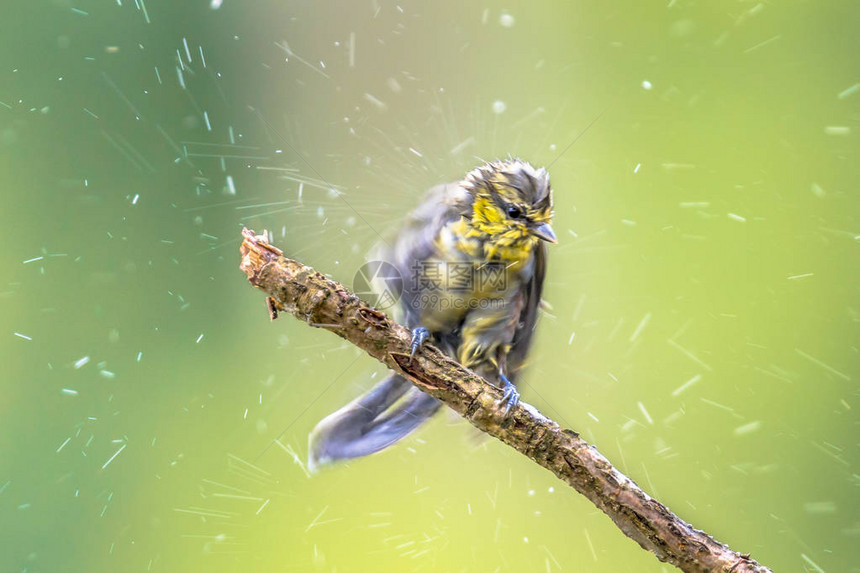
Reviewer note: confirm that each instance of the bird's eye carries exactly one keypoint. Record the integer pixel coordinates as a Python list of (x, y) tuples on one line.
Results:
[(514, 212)]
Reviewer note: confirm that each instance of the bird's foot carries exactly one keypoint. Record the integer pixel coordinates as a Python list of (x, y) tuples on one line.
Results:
[(511, 396), (420, 335)]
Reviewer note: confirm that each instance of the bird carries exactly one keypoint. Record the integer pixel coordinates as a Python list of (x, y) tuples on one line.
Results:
[(470, 262)]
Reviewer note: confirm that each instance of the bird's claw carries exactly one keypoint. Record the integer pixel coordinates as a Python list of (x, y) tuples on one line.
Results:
[(511, 396), (420, 335)]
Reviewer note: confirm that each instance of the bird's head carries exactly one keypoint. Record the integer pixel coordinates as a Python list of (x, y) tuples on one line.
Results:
[(511, 201)]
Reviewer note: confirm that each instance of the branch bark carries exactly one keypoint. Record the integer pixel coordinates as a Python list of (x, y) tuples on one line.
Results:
[(299, 290)]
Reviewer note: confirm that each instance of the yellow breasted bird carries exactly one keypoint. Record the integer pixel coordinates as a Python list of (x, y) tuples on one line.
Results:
[(472, 262)]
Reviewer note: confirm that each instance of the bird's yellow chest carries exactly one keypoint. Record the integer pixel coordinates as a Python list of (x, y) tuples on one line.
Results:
[(508, 246), (472, 267)]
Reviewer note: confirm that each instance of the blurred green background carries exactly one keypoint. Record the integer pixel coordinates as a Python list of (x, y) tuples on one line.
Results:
[(703, 330)]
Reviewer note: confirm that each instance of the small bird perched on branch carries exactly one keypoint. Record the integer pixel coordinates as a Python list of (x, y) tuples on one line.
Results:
[(470, 263)]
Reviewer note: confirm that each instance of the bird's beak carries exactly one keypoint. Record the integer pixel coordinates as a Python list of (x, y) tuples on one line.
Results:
[(545, 233)]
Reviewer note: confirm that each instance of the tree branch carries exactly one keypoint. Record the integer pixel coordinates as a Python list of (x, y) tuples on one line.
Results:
[(308, 295)]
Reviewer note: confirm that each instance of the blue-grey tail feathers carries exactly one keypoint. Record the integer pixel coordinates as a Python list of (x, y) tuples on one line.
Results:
[(387, 413)]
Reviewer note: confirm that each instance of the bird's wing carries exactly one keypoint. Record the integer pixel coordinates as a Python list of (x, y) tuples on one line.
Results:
[(392, 409), (416, 240), (441, 205), (527, 322)]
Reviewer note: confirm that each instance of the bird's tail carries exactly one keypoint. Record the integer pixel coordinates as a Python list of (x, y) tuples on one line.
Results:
[(387, 413)]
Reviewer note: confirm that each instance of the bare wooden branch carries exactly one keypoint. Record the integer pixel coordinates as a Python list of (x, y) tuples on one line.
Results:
[(308, 295)]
